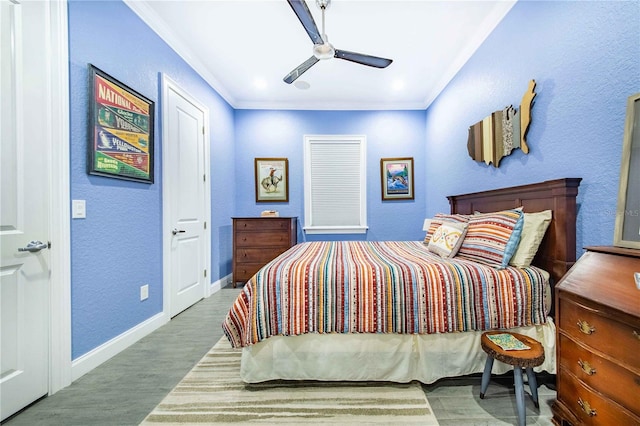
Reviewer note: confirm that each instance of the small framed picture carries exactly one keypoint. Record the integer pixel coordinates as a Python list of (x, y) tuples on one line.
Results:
[(397, 178), (272, 180)]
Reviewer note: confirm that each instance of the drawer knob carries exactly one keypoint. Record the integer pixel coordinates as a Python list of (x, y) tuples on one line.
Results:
[(586, 408), (636, 334), (585, 327), (586, 367)]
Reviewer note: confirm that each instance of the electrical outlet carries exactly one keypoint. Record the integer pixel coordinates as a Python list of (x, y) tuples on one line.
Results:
[(144, 292)]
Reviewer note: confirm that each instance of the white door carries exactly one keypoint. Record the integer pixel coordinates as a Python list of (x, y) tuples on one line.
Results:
[(185, 182), (24, 274)]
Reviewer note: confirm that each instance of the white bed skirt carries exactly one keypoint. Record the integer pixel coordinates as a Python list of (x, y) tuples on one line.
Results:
[(380, 357)]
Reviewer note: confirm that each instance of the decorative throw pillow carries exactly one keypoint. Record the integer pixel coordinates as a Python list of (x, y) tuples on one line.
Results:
[(446, 240), (535, 226), (492, 238), (440, 218)]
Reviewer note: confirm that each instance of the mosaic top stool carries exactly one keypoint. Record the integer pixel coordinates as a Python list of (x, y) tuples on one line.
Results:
[(519, 359)]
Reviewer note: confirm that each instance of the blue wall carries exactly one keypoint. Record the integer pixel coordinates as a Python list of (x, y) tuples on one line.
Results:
[(118, 247), (585, 58), (280, 134)]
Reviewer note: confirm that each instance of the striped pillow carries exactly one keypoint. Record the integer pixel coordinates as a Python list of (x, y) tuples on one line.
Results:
[(439, 218), (492, 238)]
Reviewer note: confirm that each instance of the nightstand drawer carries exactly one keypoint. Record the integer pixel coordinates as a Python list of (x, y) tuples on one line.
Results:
[(589, 406), (606, 377), (263, 239), (585, 324)]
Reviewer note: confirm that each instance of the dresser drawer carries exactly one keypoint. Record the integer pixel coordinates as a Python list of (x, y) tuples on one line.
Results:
[(262, 224), (257, 241), (590, 407), (244, 271), (608, 378), (257, 255), (263, 239), (618, 340)]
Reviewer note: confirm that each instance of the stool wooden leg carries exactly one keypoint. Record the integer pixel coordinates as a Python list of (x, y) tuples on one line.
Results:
[(533, 386), (517, 376), (486, 376)]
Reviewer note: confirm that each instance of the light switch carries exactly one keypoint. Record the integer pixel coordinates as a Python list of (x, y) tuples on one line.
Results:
[(78, 209)]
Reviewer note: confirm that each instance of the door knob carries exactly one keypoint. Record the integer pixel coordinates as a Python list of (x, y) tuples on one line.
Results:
[(178, 231), (35, 246)]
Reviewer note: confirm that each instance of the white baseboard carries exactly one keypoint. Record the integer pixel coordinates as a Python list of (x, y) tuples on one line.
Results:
[(104, 352), (217, 286)]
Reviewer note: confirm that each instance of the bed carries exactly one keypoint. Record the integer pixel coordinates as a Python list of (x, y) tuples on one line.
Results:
[(395, 311)]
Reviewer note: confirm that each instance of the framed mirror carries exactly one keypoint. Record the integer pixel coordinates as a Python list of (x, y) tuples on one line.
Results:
[(627, 228)]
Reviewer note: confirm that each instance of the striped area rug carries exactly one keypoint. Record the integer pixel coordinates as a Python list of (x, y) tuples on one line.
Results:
[(212, 392)]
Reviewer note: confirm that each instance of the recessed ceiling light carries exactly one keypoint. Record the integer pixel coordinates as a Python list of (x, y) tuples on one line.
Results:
[(398, 85), (260, 83), (301, 84)]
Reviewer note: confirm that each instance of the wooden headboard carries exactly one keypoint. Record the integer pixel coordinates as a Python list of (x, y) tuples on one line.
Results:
[(557, 253)]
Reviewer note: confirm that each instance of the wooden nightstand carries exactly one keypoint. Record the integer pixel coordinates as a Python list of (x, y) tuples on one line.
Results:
[(598, 340), (258, 240)]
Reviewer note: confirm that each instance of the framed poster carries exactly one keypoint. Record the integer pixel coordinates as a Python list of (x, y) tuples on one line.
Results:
[(272, 179), (121, 130), (627, 225), (397, 178)]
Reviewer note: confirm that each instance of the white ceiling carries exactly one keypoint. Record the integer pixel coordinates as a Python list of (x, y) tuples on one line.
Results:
[(244, 48)]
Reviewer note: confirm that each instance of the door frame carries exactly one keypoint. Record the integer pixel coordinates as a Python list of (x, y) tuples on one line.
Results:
[(167, 85), (57, 97)]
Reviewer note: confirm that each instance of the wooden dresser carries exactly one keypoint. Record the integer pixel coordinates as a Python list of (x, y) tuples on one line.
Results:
[(258, 240), (598, 345)]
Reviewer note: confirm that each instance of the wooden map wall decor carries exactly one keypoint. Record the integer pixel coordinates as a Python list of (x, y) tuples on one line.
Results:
[(502, 132)]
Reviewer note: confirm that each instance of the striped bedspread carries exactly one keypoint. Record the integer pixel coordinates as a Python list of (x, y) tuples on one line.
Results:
[(381, 287)]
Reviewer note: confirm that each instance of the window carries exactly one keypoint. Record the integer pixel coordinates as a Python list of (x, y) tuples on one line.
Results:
[(335, 193)]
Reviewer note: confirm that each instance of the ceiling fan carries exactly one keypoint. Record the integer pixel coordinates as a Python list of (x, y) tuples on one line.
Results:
[(322, 49)]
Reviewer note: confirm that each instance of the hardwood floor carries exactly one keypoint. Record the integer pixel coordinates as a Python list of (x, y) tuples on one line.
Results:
[(126, 388)]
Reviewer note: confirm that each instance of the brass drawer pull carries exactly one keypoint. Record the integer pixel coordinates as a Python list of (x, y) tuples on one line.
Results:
[(585, 327), (635, 333), (586, 408), (586, 367)]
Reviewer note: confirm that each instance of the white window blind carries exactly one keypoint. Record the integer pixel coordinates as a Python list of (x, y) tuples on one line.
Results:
[(335, 184)]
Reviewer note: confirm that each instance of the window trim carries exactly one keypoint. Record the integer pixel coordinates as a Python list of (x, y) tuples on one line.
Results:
[(360, 228)]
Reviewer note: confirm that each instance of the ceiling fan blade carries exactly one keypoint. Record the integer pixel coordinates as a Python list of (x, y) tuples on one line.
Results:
[(372, 61), (306, 19), (301, 69)]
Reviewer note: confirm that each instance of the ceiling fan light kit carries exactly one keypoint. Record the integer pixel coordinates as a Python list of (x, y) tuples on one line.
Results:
[(322, 49), (325, 50)]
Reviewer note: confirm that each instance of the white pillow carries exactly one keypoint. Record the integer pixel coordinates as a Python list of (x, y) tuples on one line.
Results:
[(535, 226), (447, 239)]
